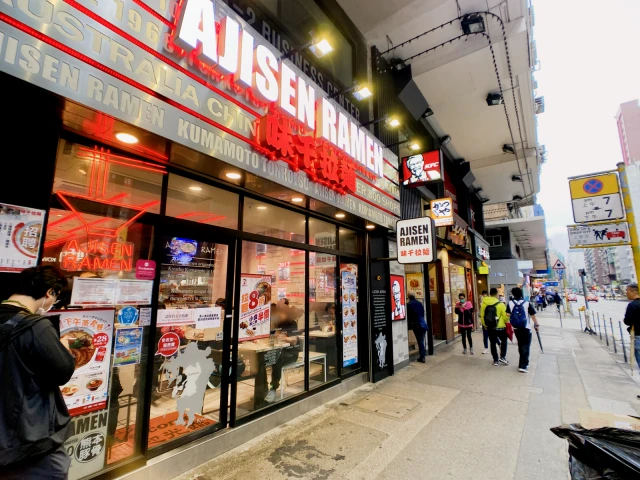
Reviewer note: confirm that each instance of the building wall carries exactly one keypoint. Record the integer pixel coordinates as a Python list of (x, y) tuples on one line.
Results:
[(628, 121), (504, 250)]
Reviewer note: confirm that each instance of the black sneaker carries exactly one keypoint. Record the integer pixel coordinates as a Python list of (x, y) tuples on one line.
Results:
[(503, 361), (495, 363)]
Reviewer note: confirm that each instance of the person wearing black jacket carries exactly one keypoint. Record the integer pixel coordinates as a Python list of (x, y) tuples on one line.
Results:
[(34, 420), (415, 311), (632, 318)]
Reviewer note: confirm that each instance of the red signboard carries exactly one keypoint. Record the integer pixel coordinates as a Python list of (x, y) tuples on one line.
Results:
[(422, 168)]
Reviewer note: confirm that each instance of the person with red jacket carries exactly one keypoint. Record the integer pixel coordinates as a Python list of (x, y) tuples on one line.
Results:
[(464, 309)]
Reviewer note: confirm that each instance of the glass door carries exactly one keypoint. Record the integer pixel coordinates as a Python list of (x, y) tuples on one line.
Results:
[(192, 336)]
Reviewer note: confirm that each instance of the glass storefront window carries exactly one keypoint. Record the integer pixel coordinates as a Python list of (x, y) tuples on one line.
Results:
[(271, 221), (202, 203), (188, 361), (108, 177), (322, 234), (349, 241), (323, 353), (271, 340)]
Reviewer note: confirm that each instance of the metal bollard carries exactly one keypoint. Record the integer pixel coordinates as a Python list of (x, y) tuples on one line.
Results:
[(599, 327), (624, 350), (606, 336), (613, 337), (580, 316)]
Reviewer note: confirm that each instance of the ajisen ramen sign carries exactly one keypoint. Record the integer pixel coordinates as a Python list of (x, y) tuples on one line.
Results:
[(309, 134)]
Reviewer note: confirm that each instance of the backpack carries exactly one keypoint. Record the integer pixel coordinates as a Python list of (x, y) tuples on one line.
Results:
[(491, 316), (518, 317)]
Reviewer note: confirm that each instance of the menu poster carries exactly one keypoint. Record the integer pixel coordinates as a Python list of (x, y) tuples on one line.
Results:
[(20, 237), (415, 281), (87, 445), (255, 307), (284, 271), (398, 308), (93, 291), (88, 335), (349, 319), (134, 292), (128, 346)]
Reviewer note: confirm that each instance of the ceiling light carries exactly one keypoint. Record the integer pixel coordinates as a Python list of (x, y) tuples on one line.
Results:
[(126, 137), (320, 47), (517, 197), (340, 215), (83, 172), (392, 122), (297, 199), (233, 175), (261, 207), (506, 148), (445, 140), (494, 99), (361, 92), (427, 113), (414, 146), (516, 178), (195, 188), (370, 227), (472, 23)]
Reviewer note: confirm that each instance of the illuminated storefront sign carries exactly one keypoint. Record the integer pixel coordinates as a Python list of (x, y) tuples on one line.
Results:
[(96, 255)]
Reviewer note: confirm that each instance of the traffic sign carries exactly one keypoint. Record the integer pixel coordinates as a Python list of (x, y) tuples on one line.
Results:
[(559, 265), (596, 198), (614, 234)]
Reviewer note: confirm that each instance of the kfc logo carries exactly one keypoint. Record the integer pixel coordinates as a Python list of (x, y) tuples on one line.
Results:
[(422, 168)]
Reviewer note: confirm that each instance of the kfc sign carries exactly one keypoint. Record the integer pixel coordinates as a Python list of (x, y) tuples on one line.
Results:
[(302, 128), (422, 168)]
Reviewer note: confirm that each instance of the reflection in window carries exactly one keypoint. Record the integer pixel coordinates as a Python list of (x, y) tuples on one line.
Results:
[(349, 241), (322, 234), (265, 219), (201, 203), (272, 338), (323, 353)]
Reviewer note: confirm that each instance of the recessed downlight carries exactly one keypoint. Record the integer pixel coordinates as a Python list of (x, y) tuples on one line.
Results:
[(297, 199), (340, 215), (370, 227), (233, 176), (126, 138), (261, 207), (83, 172), (195, 188)]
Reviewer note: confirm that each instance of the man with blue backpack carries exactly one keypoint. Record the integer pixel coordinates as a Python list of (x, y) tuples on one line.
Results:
[(522, 317)]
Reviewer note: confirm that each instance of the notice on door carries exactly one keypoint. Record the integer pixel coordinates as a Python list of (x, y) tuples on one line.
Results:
[(255, 307)]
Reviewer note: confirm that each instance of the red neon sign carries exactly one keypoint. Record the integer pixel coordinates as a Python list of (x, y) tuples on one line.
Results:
[(97, 254)]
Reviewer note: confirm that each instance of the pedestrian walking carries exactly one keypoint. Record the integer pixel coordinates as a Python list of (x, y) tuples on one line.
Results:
[(417, 323), (494, 319), (464, 309), (34, 421), (522, 317), (632, 318), (539, 302), (485, 332), (557, 300), (544, 302)]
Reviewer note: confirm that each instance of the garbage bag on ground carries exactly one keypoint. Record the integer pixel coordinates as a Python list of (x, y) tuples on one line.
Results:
[(601, 453)]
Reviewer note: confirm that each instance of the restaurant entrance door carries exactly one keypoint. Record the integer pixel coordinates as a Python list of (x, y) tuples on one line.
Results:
[(189, 396)]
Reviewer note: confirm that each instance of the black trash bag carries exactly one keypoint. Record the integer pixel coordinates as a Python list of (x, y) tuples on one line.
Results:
[(601, 453)]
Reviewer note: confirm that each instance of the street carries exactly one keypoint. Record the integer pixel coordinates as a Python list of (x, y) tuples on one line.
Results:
[(449, 417)]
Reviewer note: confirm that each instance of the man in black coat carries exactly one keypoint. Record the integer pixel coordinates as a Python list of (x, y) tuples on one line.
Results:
[(415, 311)]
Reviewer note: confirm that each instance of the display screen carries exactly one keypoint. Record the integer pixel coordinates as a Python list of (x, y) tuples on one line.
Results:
[(422, 168)]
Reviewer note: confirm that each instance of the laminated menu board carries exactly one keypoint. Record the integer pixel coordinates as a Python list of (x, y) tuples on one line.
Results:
[(20, 237), (255, 307), (87, 334), (349, 319)]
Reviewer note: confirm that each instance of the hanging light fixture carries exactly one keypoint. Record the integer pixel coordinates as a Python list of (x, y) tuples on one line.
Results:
[(472, 23)]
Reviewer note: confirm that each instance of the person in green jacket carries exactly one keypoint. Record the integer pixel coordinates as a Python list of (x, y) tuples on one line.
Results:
[(493, 314)]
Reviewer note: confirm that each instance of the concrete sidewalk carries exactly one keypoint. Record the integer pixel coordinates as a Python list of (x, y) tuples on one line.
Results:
[(457, 416)]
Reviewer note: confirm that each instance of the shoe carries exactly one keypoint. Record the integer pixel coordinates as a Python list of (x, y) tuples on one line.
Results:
[(485, 351), (524, 370), (471, 351), (464, 352), (503, 361), (495, 364), (422, 360), (271, 396)]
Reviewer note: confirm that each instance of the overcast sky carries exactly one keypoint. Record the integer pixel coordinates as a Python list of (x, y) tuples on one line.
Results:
[(590, 63)]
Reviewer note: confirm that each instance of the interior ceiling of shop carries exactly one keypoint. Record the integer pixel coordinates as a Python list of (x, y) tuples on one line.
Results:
[(456, 79)]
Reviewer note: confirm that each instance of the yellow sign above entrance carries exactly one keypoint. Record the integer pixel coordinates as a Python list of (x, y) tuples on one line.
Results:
[(596, 185)]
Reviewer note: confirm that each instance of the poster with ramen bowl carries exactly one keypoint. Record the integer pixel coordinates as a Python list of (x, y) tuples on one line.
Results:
[(87, 334), (255, 307)]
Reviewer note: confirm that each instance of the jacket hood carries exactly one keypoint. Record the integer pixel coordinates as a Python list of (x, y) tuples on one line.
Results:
[(8, 310), (490, 300)]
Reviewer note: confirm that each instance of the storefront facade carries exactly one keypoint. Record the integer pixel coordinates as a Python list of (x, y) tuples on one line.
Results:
[(216, 211)]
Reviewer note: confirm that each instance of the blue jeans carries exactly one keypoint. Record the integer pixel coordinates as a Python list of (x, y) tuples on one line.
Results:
[(420, 333), (636, 351), (524, 345)]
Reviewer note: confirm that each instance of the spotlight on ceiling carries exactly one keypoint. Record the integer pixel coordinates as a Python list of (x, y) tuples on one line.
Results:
[(392, 122), (494, 99), (340, 215), (516, 178), (233, 176), (361, 92), (472, 23), (126, 138), (445, 140), (427, 113), (320, 45), (506, 148), (370, 226), (517, 198), (415, 146)]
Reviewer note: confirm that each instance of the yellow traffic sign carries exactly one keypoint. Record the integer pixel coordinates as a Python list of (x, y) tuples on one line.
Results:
[(593, 186)]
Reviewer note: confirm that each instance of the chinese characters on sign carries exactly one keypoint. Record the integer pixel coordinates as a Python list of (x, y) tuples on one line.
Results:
[(20, 236), (255, 307), (416, 240), (596, 198), (128, 346), (599, 234), (349, 319), (87, 445), (442, 212), (87, 334)]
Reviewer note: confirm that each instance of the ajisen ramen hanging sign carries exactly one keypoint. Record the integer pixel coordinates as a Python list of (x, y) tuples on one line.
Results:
[(301, 127)]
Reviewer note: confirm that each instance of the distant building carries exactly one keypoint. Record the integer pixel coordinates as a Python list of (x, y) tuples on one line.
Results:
[(628, 120)]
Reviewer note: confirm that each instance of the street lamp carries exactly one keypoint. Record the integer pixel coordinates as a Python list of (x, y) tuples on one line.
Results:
[(360, 91), (319, 45)]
